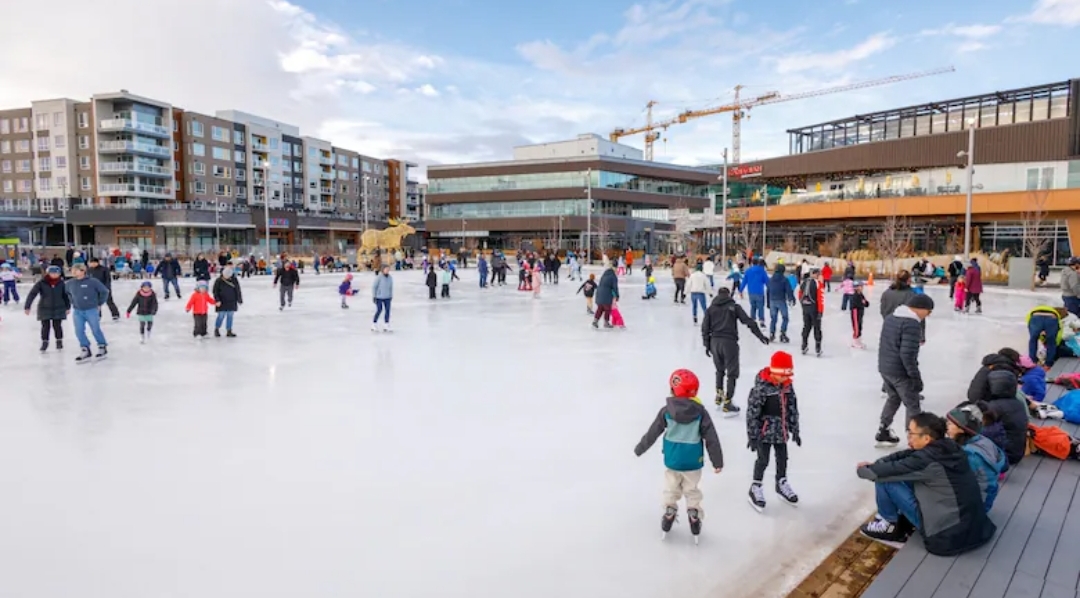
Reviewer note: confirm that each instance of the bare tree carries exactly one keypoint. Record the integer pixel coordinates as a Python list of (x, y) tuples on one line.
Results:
[(893, 240), (791, 244), (749, 233), (1034, 215)]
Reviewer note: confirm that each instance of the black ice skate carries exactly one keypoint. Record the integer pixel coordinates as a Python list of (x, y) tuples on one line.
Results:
[(230, 334), (595, 324), (59, 344), (885, 438), (670, 515), (730, 409), (217, 333), (784, 338), (805, 349), (44, 346), (818, 350), (102, 352), (756, 497), (785, 492), (695, 319), (695, 523), (84, 356), (719, 398), (772, 337), (885, 532)]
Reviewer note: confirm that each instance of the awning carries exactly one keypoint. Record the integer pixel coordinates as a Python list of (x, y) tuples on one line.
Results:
[(205, 225), (358, 228)]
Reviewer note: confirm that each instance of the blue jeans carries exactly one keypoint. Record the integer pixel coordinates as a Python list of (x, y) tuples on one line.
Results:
[(225, 316), (712, 284), (778, 307), (381, 304), (93, 318), (483, 278), (1037, 326), (176, 285), (757, 307), (895, 499), (696, 298)]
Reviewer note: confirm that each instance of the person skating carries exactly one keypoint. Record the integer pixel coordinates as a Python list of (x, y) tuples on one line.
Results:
[(688, 433), (754, 283), (650, 293), (289, 279), (679, 273), (145, 305), (10, 277), (54, 307), (382, 293), (826, 277), (228, 298), (201, 268), (973, 286), (709, 268), (858, 304), (698, 285), (431, 282), (772, 418), (956, 270), (720, 334), (778, 297), (199, 305), (101, 273), (169, 269), (589, 288), (87, 295), (345, 290), (898, 364), (812, 300), (606, 294), (482, 270), (445, 277)]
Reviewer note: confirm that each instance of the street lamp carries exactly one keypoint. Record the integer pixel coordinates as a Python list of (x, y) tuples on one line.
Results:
[(723, 210), (217, 223), (588, 216), (764, 216), (266, 204), (366, 193), (463, 221), (64, 209), (970, 155)]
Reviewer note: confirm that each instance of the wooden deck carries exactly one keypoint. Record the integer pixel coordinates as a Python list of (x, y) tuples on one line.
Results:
[(1036, 551)]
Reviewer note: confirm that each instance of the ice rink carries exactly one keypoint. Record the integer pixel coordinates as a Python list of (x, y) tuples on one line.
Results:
[(484, 448)]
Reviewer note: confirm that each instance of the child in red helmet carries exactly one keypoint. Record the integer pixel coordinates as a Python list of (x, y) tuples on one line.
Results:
[(688, 433), (772, 416)]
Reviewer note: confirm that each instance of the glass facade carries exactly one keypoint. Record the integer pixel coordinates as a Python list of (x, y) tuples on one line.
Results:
[(504, 209), (557, 180)]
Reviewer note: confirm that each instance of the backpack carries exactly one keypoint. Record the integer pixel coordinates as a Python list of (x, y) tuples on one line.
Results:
[(1049, 440), (1069, 403), (804, 290), (1070, 381)]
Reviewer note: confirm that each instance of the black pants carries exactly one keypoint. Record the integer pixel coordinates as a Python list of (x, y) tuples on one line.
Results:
[(494, 274), (973, 298), (725, 356), (57, 329), (856, 322), (763, 461), (112, 306), (952, 286), (680, 289), (145, 327), (811, 320), (200, 324), (431, 292), (446, 291)]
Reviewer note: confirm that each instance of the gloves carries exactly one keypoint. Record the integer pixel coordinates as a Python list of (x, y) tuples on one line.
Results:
[(764, 340), (708, 352), (797, 439), (919, 385), (752, 445)]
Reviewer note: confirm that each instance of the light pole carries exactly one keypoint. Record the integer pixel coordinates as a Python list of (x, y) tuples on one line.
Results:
[(266, 205), (588, 216), (764, 216), (64, 210), (970, 154), (366, 179), (463, 221), (723, 210), (217, 223)]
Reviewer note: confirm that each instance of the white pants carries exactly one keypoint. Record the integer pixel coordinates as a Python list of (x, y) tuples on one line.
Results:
[(678, 484)]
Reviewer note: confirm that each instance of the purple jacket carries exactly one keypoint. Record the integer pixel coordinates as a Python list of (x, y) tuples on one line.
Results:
[(973, 279)]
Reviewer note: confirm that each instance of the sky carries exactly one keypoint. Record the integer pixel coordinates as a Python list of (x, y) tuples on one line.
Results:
[(452, 81)]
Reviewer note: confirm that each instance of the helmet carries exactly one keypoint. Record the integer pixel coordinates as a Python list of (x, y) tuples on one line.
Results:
[(683, 383)]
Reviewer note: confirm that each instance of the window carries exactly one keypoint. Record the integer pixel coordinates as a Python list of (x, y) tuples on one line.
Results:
[(23, 125), (22, 146), (343, 160), (84, 183), (356, 163), (22, 166), (239, 157), (367, 166), (175, 126), (221, 190), (84, 142), (241, 174), (61, 162), (198, 187), (220, 153), (42, 122), (238, 138), (5, 166), (175, 145), (313, 152), (342, 175), (84, 162), (61, 183), (44, 164), (196, 128), (5, 147), (9, 186), (274, 143), (1032, 179), (60, 142), (58, 119), (26, 186), (84, 120), (5, 126), (176, 165), (219, 133), (1048, 178), (198, 149), (221, 172), (198, 168), (43, 144), (45, 184)]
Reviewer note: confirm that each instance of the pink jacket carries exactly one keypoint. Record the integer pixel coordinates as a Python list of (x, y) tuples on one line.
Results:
[(847, 287)]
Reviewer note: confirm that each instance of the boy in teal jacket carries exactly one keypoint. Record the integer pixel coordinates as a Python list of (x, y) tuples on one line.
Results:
[(688, 433)]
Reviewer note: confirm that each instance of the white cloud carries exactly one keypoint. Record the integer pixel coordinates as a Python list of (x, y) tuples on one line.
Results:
[(1055, 12), (428, 90), (977, 31), (836, 60), (971, 46)]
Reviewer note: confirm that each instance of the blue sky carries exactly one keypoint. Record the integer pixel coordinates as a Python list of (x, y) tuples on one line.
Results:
[(465, 80)]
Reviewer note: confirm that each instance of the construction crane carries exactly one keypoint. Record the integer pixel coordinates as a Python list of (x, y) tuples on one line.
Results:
[(739, 109)]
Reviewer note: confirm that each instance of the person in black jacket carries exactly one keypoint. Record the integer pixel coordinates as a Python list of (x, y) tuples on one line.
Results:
[(432, 281), (201, 268), (169, 269), (720, 334), (58, 262), (898, 364), (607, 293), (932, 487), (54, 306), (778, 296), (1007, 360), (146, 304), (289, 279), (228, 297), (96, 270), (956, 270), (1007, 409)]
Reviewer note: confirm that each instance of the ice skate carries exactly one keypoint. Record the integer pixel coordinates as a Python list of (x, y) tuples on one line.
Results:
[(608, 325), (772, 337), (669, 518), (762, 325), (142, 338), (229, 334), (217, 333), (978, 310), (343, 306), (1045, 411), (882, 531), (102, 353), (44, 346), (805, 349), (785, 492), (84, 356), (59, 344), (857, 344), (720, 398), (784, 338), (817, 350), (730, 409), (374, 327), (695, 319), (595, 324), (756, 496), (386, 327), (693, 515), (885, 438)]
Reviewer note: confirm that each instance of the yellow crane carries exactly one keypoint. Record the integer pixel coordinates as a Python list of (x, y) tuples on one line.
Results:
[(739, 109)]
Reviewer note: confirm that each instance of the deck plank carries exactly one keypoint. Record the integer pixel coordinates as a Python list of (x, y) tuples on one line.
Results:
[(893, 577), (1065, 564), (1035, 560)]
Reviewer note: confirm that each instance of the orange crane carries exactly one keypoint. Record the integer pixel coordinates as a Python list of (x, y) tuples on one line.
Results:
[(739, 107)]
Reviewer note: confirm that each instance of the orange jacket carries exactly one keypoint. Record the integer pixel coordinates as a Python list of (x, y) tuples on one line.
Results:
[(199, 303), (820, 293)]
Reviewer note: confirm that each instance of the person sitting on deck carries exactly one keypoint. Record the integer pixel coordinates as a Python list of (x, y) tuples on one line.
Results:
[(929, 487)]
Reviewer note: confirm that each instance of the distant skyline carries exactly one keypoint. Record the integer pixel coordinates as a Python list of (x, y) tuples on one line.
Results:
[(462, 81)]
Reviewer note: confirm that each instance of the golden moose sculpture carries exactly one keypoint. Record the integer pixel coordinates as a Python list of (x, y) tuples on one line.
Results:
[(389, 238)]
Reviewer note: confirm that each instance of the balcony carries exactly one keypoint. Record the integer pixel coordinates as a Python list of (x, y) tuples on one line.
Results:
[(258, 146), (326, 190), (326, 161), (134, 147), (135, 168), (124, 189), (326, 176), (120, 125)]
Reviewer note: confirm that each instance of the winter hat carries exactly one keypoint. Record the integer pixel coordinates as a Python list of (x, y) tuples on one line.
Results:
[(957, 258), (146, 284), (921, 302), (683, 384), (78, 266), (53, 270), (348, 276), (968, 417), (1026, 362), (5, 266), (781, 364)]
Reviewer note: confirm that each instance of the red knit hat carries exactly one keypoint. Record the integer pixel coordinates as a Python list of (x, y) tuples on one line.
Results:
[(684, 384), (781, 364)]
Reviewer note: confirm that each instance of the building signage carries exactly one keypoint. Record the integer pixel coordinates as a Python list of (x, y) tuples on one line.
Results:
[(744, 171), (450, 234), (279, 223)]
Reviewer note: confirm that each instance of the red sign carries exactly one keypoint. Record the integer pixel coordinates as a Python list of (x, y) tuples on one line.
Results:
[(744, 172)]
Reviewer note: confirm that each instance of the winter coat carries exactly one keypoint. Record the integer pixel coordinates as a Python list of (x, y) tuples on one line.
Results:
[(973, 280), (997, 378), (87, 293), (482, 266), (812, 295), (201, 268), (432, 279), (779, 289), (898, 348), (55, 301), (1013, 415), (768, 397), (735, 275), (826, 272), (953, 518), (445, 277), (722, 321), (589, 287), (708, 267), (987, 461), (859, 303), (227, 292), (688, 433), (680, 270), (698, 283), (1070, 283), (849, 272), (847, 287), (996, 433), (199, 303), (287, 276), (755, 280), (1033, 383), (101, 273), (169, 269), (144, 305), (608, 289), (956, 269), (383, 287), (894, 297)]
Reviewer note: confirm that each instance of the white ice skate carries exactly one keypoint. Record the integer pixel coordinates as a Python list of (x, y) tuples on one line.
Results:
[(1045, 411), (857, 344), (386, 327), (374, 327)]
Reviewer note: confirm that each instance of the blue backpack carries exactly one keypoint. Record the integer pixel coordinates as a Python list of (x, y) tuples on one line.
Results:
[(1069, 403)]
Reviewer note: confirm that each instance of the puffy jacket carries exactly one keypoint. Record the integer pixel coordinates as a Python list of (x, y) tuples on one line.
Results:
[(55, 301), (779, 289), (227, 292), (144, 305), (987, 461), (86, 293), (956, 269), (1033, 383), (589, 287), (894, 297), (951, 508), (847, 287), (1070, 283), (755, 280), (722, 320), (608, 289), (812, 295), (201, 268), (102, 274), (383, 287), (766, 396), (708, 267), (1002, 384), (199, 303), (973, 280), (688, 433), (898, 349), (680, 269), (1013, 415), (169, 269), (288, 277), (849, 271), (698, 283)]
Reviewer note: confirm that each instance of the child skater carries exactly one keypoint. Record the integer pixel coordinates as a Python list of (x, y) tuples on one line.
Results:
[(536, 278), (11, 277), (650, 288), (523, 276), (589, 286), (345, 290), (772, 416), (736, 277), (688, 433), (616, 316), (847, 288), (444, 278), (146, 303), (199, 304), (431, 281), (858, 304), (960, 294), (53, 308)]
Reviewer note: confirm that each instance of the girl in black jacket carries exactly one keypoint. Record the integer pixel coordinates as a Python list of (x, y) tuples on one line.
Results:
[(432, 281), (201, 268), (53, 308), (858, 303), (228, 297), (145, 301)]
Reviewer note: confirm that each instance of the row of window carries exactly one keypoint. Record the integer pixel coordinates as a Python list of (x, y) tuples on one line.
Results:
[(45, 164), (554, 180)]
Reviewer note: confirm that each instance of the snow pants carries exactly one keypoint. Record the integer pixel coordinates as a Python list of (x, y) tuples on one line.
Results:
[(678, 484), (900, 391), (200, 324), (11, 291), (725, 355), (763, 461)]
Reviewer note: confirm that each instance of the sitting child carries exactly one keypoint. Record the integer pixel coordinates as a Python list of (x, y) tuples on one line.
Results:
[(1033, 380), (650, 289)]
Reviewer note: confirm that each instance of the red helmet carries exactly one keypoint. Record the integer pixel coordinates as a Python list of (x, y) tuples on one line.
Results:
[(684, 384)]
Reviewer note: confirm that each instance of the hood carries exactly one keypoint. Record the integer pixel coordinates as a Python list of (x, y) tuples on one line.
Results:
[(683, 411), (722, 300), (779, 271), (985, 449), (905, 312), (998, 361), (943, 449)]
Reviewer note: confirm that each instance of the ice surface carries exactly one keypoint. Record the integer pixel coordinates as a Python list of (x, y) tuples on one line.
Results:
[(484, 448)]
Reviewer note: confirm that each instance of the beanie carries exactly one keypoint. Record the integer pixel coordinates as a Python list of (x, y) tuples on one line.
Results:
[(968, 417), (1026, 362), (921, 302), (781, 364)]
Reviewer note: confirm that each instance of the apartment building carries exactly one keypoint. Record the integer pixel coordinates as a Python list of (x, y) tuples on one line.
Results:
[(17, 172), (404, 191)]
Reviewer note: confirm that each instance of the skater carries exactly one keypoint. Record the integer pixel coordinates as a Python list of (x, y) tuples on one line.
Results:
[(431, 281), (10, 278), (720, 334), (616, 316), (146, 303), (345, 290), (538, 280), (169, 269), (228, 298), (289, 279), (523, 277), (698, 286), (96, 270), (778, 297), (772, 417), (736, 278), (445, 277), (382, 294), (54, 306), (482, 270), (826, 277), (898, 364), (709, 268), (87, 295), (201, 268), (960, 295), (688, 433), (847, 289), (606, 294), (680, 272), (629, 260), (589, 288), (1070, 286), (199, 305), (812, 299), (858, 305), (650, 292), (973, 286), (956, 270)]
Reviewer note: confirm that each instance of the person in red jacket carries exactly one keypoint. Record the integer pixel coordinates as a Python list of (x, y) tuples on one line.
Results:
[(974, 286), (826, 275), (199, 303), (812, 299)]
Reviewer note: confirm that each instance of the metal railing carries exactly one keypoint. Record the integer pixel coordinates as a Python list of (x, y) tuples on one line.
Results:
[(121, 188), (135, 167), (125, 124), (133, 146)]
